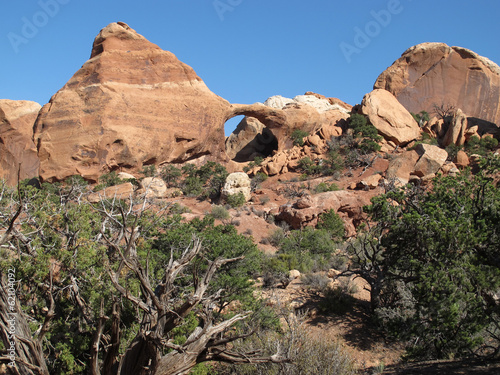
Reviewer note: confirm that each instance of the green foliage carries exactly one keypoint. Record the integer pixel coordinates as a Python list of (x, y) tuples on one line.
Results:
[(452, 151), (333, 163), (236, 200), (323, 187), (257, 161), (331, 222), (308, 167), (257, 180), (171, 175), (298, 136), (481, 146), (307, 247), (365, 132), (422, 118), (441, 246), (149, 170), (107, 180), (219, 213)]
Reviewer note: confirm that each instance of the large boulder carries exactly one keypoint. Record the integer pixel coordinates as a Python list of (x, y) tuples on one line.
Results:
[(237, 182), (391, 119), (431, 74), (18, 154), (401, 167), (431, 160), (130, 104)]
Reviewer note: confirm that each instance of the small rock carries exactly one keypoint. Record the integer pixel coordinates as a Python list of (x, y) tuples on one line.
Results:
[(294, 274)]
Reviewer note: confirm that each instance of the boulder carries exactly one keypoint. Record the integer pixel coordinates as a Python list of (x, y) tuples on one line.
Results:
[(401, 167), (431, 74), (121, 191), (235, 183), (294, 274), (153, 187), (370, 182), (431, 159), (18, 154), (130, 104), (391, 119), (126, 176), (456, 131), (462, 160)]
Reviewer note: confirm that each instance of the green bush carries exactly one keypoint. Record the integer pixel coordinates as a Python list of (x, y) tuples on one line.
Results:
[(481, 146), (323, 187), (219, 213), (108, 180), (309, 167), (331, 222), (365, 132), (171, 175), (298, 137), (236, 200)]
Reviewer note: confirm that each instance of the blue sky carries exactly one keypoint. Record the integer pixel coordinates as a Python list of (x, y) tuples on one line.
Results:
[(244, 50)]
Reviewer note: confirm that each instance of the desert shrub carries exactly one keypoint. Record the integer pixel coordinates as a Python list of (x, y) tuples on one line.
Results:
[(338, 299), (257, 180), (317, 281), (308, 167), (277, 237), (298, 137), (107, 180), (422, 117), (177, 209), (149, 170), (310, 354), (333, 163), (323, 187), (331, 222), (365, 132), (171, 175), (275, 271), (481, 146), (452, 151), (236, 200), (219, 213)]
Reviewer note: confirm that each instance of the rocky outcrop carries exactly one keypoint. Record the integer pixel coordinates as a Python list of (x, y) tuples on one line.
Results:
[(130, 104), (268, 126), (457, 129), (18, 154), (431, 74), (306, 210), (391, 119)]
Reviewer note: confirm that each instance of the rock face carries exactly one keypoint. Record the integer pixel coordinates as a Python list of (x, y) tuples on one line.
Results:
[(131, 104), (391, 119), (432, 74), (17, 151)]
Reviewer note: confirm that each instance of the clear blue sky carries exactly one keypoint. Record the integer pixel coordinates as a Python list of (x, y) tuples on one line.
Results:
[(244, 50)]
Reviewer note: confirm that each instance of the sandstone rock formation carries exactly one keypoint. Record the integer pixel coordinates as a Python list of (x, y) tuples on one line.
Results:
[(131, 104), (401, 167), (153, 187), (250, 139), (279, 117), (236, 183), (18, 154), (306, 211), (432, 74), (457, 129), (391, 119), (431, 160)]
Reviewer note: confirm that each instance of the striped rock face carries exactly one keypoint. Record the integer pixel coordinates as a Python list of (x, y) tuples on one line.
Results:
[(131, 104), (431, 74), (18, 155)]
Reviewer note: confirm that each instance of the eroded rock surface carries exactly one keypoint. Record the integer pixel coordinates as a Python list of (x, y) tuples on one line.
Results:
[(432, 74), (18, 154)]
